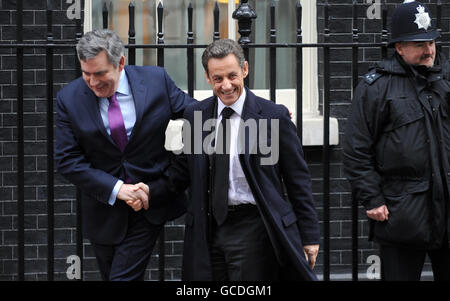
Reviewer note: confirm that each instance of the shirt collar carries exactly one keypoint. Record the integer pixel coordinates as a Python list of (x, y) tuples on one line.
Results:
[(124, 87), (237, 106)]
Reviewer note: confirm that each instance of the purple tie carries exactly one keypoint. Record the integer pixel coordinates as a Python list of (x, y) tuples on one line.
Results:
[(116, 124)]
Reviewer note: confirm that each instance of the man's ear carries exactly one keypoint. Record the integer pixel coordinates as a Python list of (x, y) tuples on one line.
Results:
[(245, 69), (399, 48), (121, 63)]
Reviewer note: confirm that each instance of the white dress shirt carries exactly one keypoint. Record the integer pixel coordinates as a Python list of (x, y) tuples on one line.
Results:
[(238, 190), (127, 107)]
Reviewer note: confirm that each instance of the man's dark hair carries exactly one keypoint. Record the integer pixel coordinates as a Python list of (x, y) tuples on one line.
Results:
[(222, 48)]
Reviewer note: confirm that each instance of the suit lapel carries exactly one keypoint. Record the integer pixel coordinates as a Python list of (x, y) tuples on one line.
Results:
[(91, 102), (208, 109), (251, 110)]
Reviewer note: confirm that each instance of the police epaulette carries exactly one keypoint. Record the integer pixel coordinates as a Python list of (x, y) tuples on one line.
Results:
[(371, 77)]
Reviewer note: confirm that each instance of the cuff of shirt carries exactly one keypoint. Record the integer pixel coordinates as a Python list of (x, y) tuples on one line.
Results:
[(115, 192)]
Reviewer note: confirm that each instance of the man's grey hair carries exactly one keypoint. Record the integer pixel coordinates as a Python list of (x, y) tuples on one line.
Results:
[(94, 42), (222, 48)]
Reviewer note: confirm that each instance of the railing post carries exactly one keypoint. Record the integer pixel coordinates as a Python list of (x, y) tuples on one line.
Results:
[(20, 147), (190, 53), (299, 90), (131, 35), (244, 14), (384, 31), (439, 21), (326, 146), (273, 54), (105, 16), (161, 64), (50, 168), (355, 50), (216, 13), (79, 235)]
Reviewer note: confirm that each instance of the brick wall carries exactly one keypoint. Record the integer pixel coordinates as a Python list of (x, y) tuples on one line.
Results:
[(35, 132)]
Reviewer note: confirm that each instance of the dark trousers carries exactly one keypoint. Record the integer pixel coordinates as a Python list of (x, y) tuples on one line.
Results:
[(128, 260), (402, 264), (241, 249)]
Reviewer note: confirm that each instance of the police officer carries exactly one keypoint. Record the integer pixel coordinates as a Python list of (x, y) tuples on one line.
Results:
[(397, 149)]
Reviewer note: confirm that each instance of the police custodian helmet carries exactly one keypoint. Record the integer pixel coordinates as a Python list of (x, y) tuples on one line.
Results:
[(411, 21)]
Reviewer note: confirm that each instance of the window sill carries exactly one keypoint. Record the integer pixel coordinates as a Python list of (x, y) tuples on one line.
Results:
[(312, 121)]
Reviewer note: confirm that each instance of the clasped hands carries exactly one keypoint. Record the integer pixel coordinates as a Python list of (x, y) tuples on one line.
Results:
[(136, 196)]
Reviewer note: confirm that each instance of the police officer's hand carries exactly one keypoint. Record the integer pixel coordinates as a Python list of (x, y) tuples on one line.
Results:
[(379, 214), (311, 252)]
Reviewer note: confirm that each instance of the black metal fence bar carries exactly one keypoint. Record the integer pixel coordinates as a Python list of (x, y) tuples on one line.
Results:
[(355, 39), (326, 147), (384, 32), (273, 55), (190, 53), (160, 58), (20, 148), (50, 167), (131, 35), (216, 13), (184, 46), (105, 16), (244, 15), (438, 20), (79, 230), (299, 62)]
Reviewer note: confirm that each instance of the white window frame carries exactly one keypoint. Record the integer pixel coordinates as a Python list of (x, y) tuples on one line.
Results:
[(312, 120)]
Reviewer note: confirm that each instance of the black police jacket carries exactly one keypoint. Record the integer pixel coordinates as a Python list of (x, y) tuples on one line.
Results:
[(397, 148)]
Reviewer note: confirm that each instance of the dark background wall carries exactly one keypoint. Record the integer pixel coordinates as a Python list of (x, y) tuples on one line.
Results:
[(65, 207)]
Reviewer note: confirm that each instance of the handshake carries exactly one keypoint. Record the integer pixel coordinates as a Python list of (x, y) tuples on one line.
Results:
[(136, 196)]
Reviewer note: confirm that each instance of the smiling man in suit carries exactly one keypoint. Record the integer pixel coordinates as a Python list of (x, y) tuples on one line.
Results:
[(239, 224), (110, 134)]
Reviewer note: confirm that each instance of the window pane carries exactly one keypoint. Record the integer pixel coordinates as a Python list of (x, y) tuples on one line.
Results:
[(118, 20), (286, 25), (175, 32)]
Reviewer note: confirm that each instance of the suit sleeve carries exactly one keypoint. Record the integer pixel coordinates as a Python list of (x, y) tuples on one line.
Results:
[(73, 164), (297, 180), (179, 100), (174, 180)]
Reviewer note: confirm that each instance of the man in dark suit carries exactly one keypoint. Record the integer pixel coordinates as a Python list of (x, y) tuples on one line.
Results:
[(110, 134), (240, 224)]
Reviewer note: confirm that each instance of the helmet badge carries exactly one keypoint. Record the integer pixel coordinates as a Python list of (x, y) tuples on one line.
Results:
[(423, 19)]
